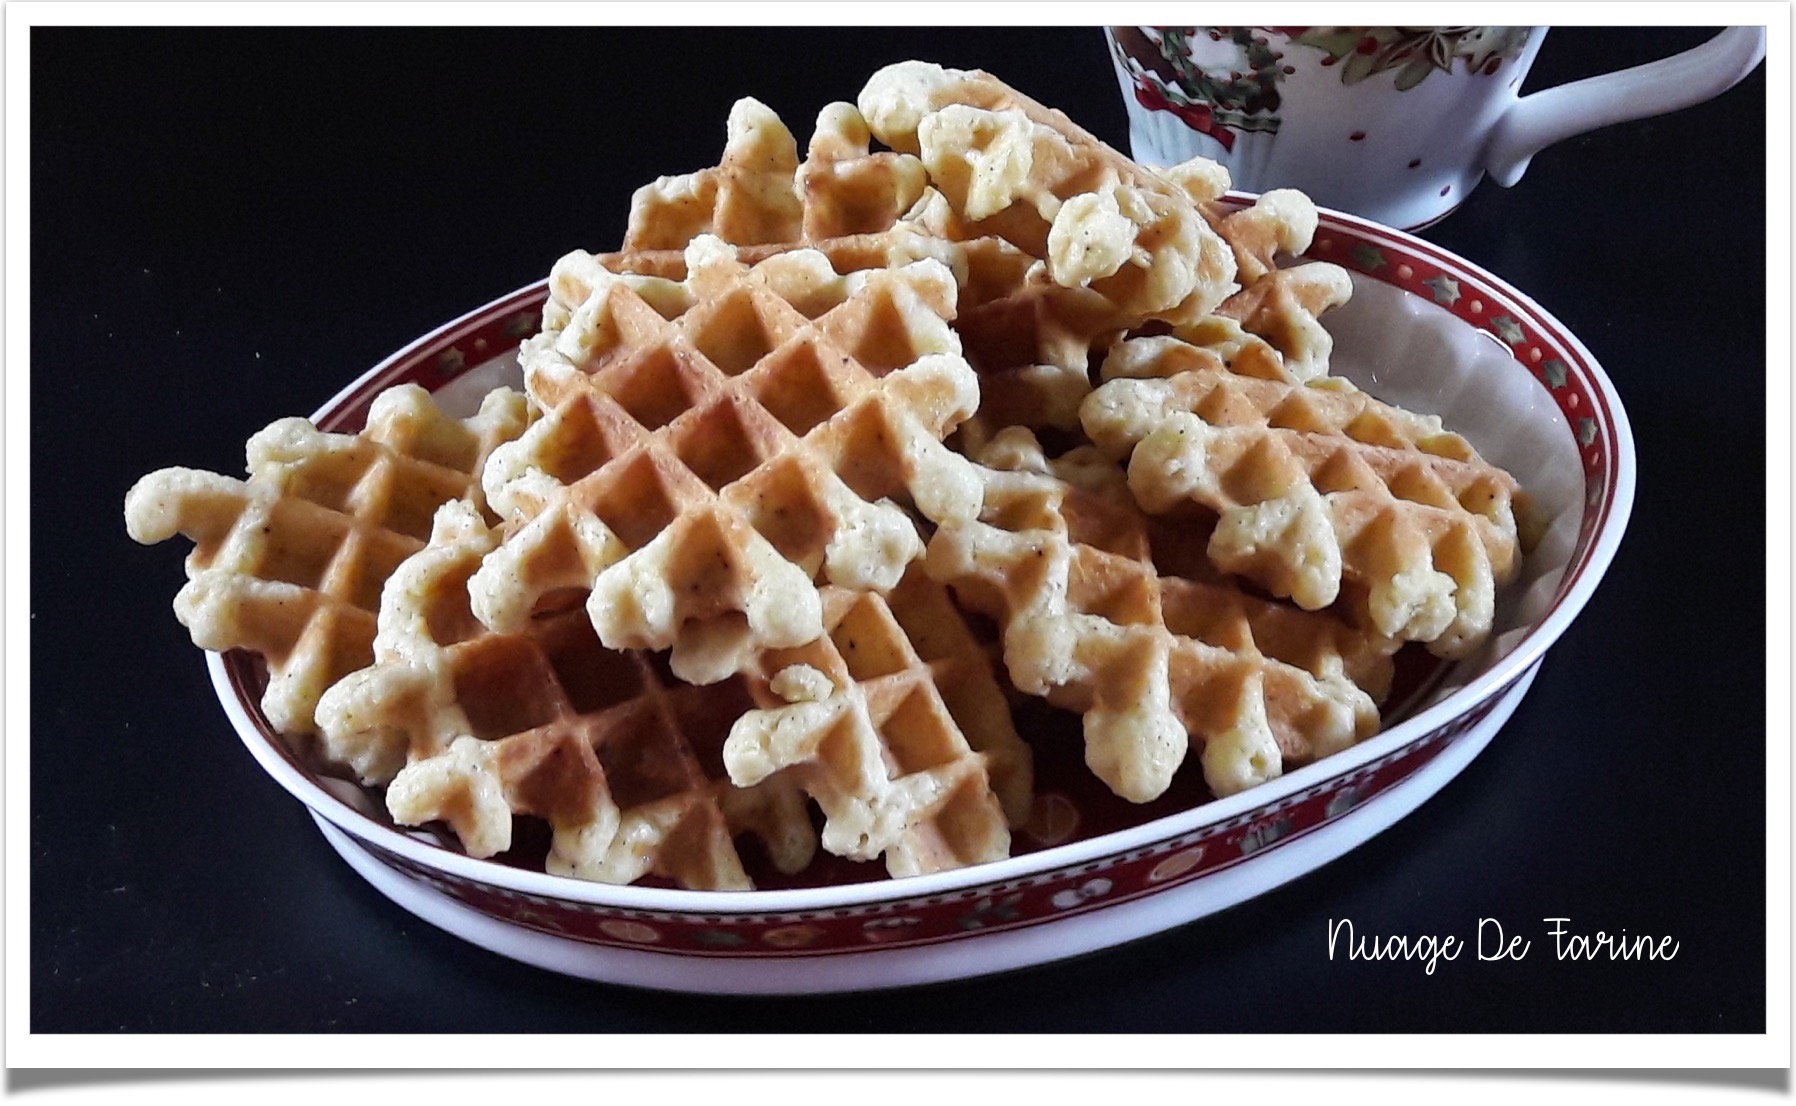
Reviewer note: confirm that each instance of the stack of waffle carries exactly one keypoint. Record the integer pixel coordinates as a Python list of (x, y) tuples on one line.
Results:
[(770, 542)]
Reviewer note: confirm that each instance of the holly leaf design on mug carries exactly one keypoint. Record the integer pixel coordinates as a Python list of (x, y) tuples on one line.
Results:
[(1413, 52), (1219, 80)]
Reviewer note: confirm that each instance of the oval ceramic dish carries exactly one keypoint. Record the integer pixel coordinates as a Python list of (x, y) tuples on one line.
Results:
[(1424, 329)]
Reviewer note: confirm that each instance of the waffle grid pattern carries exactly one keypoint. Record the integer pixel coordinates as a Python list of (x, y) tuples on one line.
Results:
[(699, 472), (1150, 661), (1324, 494), (290, 563), (622, 760), (897, 727)]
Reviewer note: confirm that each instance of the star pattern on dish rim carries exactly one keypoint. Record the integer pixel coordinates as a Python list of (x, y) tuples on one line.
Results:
[(1369, 258), (1507, 329), (1444, 288)]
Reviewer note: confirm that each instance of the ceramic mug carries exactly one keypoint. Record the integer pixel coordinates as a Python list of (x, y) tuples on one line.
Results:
[(1393, 123)]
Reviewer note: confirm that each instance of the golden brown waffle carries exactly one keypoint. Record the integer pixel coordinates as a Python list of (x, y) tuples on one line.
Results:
[(905, 740), (706, 603), (760, 193), (1323, 493), (290, 563), (1203, 180), (472, 728), (849, 203), (1280, 222), (1032, 347), (1282, 312), (1271, 326), (1011, 168), (1028, 338), (982, 270), (711, 448), (1064, 563), (894, 722), (1271, 329)]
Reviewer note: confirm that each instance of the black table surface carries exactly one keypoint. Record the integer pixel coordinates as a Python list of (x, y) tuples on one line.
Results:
[(228, 225)]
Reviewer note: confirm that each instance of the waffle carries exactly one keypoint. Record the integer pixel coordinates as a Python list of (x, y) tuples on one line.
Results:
[(843, 200), (1271, 329), (1028, 338), (289, 564), (1324, 493), (1276, 311), (894, 723), (710, 578), (759, 193), (1283, 310), (1201, 179), (1282, 221), (1012, 168), (896, 246), (1064, 563), (711, 448), (1031, 344), (472, 728)]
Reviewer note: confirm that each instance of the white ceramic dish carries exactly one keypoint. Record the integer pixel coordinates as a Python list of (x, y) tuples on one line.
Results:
[(1424, 329), (1069, 934)]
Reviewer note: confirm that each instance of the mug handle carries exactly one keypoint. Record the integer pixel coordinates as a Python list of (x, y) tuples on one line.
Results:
[(1537, 121)]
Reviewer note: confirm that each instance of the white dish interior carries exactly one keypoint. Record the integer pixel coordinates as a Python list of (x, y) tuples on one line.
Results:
[(1415, 354), (991, 952)]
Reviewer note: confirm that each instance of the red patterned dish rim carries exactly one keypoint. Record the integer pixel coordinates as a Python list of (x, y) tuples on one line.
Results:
[(1055, 881)]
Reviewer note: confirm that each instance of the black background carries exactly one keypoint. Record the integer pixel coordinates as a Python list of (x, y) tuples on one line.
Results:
[(228, 225)]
